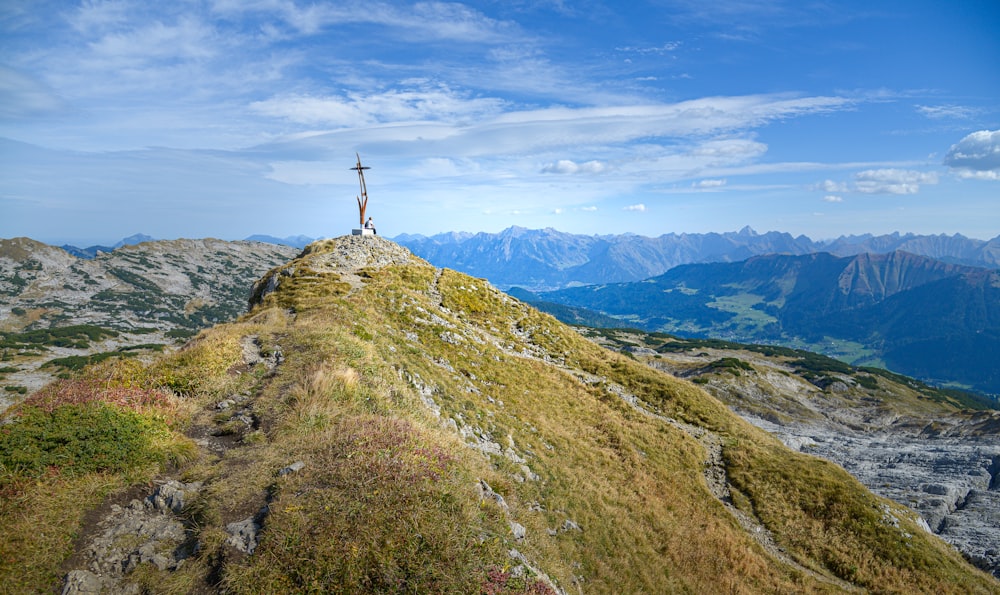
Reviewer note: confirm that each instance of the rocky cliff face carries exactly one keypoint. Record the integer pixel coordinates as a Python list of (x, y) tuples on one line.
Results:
[(151, 294)]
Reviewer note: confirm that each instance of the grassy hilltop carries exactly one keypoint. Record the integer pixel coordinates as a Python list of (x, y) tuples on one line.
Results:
[(392, 427)]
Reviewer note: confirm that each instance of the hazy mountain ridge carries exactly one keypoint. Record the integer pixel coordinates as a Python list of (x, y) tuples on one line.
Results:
[(137, 295), (378, 424), (297, 241), (548, 259), (923, 317)]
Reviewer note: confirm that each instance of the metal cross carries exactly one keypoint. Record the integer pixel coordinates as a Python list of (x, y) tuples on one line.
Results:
[(363, 199)]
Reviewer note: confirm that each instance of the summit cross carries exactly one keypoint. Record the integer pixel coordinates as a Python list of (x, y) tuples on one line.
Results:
[(363, 198)]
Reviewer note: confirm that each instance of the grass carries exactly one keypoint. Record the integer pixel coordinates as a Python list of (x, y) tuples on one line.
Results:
[(381, 393), (824, 517), (40, 522), (66, 448)]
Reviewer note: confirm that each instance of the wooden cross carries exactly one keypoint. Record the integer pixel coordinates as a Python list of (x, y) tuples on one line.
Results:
[(363, 199)]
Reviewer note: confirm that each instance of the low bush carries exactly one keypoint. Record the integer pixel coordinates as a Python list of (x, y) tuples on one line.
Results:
[(76, 439)]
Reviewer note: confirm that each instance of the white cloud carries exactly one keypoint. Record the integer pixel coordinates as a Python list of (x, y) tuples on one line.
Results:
[(567, 166), (709, 184), (557, 211), (976, 156), (588, 209), (831, 186), (641, 208), (833, 198), (939, 112), (978, 175), (892, 181)]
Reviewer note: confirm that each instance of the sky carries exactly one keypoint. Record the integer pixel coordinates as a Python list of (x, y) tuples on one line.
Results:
[(226, 118)]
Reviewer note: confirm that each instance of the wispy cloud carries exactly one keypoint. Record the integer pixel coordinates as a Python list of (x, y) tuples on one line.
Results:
[(640, 208), (393, 106), (418, 21), (939, 112), (832, 198), (22, 95), (658, 50)]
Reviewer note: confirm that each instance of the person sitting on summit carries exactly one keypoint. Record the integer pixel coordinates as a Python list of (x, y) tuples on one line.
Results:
[(371, 225)]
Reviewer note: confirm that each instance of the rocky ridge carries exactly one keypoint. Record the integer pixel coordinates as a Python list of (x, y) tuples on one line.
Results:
[(150, 294), (573, 448)]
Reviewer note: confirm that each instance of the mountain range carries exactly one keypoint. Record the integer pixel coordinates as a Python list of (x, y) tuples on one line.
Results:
[(378, 424), (297, 241), (92, 251), (915, 315), (547, 259)]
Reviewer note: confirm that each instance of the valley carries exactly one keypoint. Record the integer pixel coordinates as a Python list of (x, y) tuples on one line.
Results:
[(918, 316)]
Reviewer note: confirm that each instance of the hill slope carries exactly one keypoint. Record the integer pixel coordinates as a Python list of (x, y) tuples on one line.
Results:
[(937, 451), (59, 311), (919, 316), (375, 424)]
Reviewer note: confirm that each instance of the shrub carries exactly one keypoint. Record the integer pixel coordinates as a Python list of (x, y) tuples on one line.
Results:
[(730, 364), (76, 439)]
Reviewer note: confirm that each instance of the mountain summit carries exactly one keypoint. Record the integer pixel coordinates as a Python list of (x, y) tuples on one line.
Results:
[(375, 424)]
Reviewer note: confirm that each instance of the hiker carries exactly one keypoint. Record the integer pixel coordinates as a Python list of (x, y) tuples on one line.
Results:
[(371, 225)]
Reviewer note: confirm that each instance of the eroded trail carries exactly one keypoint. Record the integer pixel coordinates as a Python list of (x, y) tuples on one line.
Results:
[(153, 524)]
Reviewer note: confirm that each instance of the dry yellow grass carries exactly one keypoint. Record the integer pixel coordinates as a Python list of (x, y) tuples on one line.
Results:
[(402, 397)]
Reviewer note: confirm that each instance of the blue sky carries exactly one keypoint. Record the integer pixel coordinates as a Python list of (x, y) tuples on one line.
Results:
[(226, 118)]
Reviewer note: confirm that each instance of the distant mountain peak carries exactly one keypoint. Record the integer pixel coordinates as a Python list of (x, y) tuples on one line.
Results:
[(298, 241), (134, 239)]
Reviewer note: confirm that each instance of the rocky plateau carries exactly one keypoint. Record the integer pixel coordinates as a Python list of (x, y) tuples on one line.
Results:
[(145, 298)]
